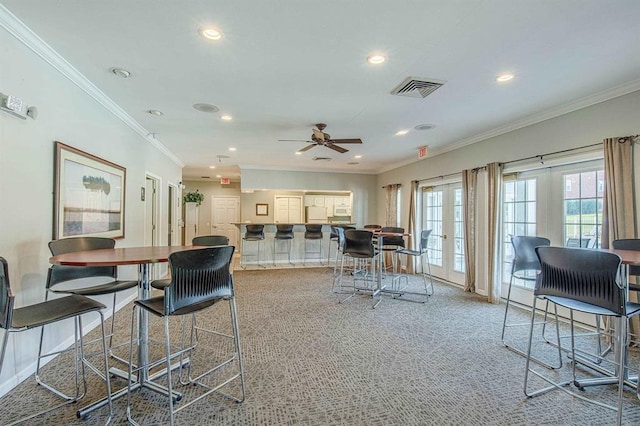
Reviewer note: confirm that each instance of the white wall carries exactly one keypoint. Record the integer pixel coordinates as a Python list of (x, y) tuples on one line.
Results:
[(69, 115), (616, 117)]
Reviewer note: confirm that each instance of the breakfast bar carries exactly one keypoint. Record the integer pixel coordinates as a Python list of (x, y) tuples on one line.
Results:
[(297, 245)]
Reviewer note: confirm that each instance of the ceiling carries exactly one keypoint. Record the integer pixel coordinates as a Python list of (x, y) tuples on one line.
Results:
[(284, 65)]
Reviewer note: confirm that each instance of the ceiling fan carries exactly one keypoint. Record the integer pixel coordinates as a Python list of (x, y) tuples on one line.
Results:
[(318, 137)]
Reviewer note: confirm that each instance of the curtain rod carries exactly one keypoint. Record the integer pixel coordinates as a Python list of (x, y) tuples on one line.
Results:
[(552, 153), (522, 159)]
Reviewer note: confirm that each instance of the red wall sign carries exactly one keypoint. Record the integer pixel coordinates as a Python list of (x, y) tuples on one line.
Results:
[(422, 152)]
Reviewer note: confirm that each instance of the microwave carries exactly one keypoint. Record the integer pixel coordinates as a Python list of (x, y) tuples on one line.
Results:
[(341, 211)]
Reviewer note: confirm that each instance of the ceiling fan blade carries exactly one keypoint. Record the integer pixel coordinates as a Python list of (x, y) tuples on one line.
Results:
[(294, 140), (340, 149), (346, 140), (307, 148)]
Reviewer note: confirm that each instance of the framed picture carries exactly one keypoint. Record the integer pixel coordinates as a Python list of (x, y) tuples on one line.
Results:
[(262, 209), (88, 195)]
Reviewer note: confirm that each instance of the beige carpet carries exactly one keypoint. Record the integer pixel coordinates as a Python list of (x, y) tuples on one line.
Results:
[(312, 361)]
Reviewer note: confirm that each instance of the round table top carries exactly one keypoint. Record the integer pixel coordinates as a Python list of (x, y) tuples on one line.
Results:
[(118, 256)]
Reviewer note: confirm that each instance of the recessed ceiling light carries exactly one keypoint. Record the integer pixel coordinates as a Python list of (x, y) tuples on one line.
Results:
[(218, 176), (208, 108), (298, 153), (357, 156), (226, 117), (376, 59), (425, 126), (401, 132), (121, 72), (504, 77), (210, 33), (232, 149), (212, 167), (154, 112)]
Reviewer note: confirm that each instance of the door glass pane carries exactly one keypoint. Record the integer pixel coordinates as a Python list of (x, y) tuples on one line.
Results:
[(458, 226), (519, 218), (432, 219), (582, 221)]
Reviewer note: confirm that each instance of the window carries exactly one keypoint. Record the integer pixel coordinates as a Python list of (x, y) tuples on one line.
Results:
[(582, 213), (518, 218)]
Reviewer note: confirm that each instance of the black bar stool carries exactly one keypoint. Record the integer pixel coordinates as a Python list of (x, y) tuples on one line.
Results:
[(313, 233), (253, 233), (283, 233)]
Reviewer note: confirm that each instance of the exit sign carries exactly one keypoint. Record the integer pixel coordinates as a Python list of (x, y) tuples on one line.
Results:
[(422, 152), (224, 181)]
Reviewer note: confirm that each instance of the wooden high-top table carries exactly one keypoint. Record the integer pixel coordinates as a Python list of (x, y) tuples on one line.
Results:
[(143, 257)]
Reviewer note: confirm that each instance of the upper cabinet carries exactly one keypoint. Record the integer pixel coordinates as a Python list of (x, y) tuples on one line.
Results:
[(330, 202)]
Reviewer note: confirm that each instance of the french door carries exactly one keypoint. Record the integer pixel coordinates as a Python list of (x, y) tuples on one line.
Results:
[(442, 213)]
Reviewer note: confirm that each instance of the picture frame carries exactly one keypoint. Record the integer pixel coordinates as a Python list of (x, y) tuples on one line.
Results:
[(262, 209), (89, 195)]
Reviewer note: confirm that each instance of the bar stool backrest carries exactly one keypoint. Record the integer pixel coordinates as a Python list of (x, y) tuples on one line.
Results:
[(210, 240), (584, 275), (254, 232), (341, 238), (6, 296), (358, 243), (524, 254), (393, 241), (60, 273), (284, 232), (424, 240), (198, 278), (313, 232)]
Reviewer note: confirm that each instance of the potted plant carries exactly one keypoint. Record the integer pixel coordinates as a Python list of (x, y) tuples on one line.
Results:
[(193, 197)]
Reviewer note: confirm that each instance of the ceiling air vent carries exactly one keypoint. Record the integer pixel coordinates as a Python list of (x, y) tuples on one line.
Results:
[(321, 159), (417, 87)]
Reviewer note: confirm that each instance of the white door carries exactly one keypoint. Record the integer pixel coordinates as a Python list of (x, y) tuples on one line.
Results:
[(152, 221), (190, 222), (442, 213), (224, 212), (150, 208), (288, 209)]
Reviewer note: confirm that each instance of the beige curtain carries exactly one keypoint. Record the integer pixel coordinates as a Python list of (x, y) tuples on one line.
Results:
[(494, 183), (618, 210), (469, 191), (391, 203), (413, 239)]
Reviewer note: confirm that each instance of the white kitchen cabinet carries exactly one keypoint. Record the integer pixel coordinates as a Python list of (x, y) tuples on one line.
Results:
[(342, 201), (328, 203), (315, 200)]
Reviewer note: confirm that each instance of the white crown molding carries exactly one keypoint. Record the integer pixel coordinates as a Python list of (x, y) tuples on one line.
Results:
[(587, 101), (21, 32)]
